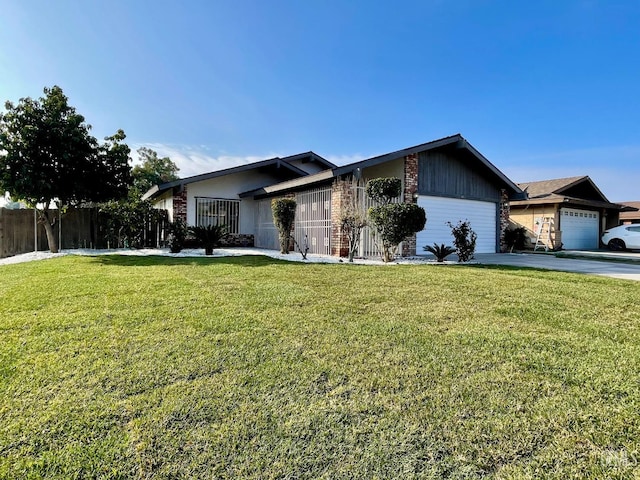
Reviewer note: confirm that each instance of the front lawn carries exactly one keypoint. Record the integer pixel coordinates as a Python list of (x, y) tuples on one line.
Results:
[(150, 367)]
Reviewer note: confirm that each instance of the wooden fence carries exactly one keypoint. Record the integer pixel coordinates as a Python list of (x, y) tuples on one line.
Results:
[(78, 228)]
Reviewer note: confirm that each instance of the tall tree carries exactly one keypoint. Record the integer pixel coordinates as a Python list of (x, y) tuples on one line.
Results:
[(48, 156), (152, 171)]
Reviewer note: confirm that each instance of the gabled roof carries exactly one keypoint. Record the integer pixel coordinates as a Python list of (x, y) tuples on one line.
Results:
[(579, 190), (631, 212), (557, 186), (457, 141), (309, 157), (275, 162)]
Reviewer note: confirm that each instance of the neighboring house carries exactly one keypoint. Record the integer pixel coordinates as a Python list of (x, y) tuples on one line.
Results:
[(579, 212), (630, 216), (448, 177)]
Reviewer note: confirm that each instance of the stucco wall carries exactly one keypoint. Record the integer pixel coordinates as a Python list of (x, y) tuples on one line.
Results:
[(229, 187), (394, 168), (526, 217), (165, 202)]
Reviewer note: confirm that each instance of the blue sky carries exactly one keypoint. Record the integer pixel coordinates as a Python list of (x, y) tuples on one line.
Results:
[(544, 89)]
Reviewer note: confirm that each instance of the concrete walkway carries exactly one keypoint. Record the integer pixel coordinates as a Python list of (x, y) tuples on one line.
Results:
[(626, 271)]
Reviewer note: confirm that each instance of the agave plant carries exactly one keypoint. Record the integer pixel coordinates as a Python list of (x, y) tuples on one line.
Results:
[(209, 236), (439, 251)]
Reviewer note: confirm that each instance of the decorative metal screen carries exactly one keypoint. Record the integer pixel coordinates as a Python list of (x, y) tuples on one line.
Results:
[(313, 220), (218, 211), (266, 234)]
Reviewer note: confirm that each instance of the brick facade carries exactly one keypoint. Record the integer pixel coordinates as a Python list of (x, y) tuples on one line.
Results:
[(237, 240), (180, 205), (340, 195), (410, 196)]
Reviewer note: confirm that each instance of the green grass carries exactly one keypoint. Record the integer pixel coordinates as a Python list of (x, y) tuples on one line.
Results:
[(142, 367)]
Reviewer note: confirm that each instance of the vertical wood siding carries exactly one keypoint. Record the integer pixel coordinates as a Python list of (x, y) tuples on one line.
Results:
[(443, 174)]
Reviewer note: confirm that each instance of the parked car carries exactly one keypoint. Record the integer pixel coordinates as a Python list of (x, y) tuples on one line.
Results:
[(622, 238)]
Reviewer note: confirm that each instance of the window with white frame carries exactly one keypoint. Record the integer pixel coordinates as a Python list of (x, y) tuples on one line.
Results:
[(218, 211)]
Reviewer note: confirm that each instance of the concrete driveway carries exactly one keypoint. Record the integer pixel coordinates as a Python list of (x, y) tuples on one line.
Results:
[(586, 264)]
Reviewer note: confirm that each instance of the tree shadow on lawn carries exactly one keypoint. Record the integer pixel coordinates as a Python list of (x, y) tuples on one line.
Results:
[(263, 260), (158, 260)]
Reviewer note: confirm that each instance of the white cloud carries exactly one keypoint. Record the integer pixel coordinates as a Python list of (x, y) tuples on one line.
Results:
[(194, 161)]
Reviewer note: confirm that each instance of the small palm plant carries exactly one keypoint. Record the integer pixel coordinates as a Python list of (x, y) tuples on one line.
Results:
[(209, 236), (439, 251)]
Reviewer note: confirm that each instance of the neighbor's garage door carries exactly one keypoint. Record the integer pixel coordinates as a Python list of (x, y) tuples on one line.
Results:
[(580, 229), (440, 210)]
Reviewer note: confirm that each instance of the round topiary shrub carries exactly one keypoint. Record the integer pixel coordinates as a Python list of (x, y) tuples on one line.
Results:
[(284, 215)]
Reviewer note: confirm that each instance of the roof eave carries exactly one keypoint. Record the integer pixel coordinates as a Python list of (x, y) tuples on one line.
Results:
[(567, 200), (313, 156), (289, 185), (372, 162), (278, 162), (586, 178), (151, 193)]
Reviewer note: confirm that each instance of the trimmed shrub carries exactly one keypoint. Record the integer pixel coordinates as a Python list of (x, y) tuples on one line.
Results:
[(284, 215), (464, 239), (395, 222), (383, 190)]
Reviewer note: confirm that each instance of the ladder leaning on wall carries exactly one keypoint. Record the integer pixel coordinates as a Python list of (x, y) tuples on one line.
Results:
[(543, 238)]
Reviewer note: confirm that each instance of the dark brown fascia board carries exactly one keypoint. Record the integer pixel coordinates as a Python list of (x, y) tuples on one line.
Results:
[(629, 208), (321, 177), (458, 140), (560, 200), (159, 189), (568, 185), (586, 178), (371, 162), (351, 168), (313, 156)]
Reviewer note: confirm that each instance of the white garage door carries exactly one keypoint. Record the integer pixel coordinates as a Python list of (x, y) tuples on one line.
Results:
[(440, 210), (580, 229)]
